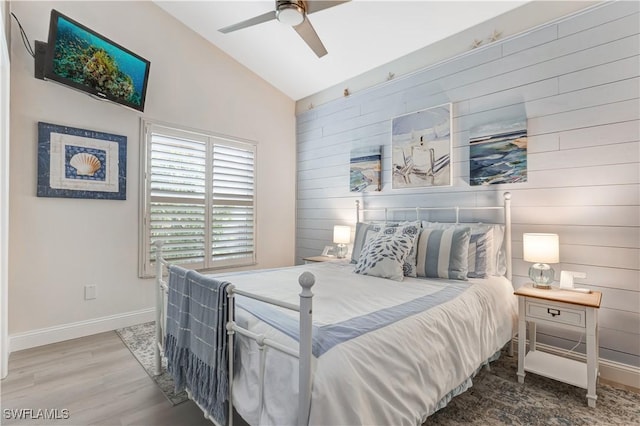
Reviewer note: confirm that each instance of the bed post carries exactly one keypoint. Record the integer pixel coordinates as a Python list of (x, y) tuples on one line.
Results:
[(159, 307), (507, 250), (306, 281), (230, 354), (507, 233), (357, 211)]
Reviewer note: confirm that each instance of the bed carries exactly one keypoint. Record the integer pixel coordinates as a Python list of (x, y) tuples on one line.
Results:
[(354, 343)]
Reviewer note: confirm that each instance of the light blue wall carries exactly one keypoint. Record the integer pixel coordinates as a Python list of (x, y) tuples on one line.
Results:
[(577, 81)]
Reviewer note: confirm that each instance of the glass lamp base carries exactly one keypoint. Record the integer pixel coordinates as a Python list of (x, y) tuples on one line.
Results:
[(341, 251), (542, 275)]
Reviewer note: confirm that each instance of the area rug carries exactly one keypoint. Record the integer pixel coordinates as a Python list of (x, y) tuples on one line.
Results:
[(140, 340), (496, 397)]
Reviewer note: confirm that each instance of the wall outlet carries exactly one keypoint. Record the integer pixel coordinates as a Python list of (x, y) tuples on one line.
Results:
[(89, 292)]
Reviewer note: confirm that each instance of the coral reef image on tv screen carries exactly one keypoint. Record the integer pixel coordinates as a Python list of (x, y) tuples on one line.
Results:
[(90, 61)]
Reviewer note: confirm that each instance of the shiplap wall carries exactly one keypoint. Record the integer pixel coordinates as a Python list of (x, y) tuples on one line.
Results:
[(577, 81)]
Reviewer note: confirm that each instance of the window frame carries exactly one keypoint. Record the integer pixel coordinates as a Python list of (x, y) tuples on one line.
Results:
[(146, 261)]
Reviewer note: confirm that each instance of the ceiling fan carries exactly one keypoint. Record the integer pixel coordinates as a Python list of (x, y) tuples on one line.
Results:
[(293, 13)]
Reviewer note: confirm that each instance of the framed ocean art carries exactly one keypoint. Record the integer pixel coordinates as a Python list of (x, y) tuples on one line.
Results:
[(79, 163), (366, 166), (498, 152)]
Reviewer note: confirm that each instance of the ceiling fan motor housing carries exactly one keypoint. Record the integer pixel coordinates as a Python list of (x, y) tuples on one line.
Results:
[(290, 12)]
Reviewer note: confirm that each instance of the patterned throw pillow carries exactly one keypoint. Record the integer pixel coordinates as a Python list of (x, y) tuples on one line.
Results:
[(411, 229), (384, 255), (444, 253), (364, 233)]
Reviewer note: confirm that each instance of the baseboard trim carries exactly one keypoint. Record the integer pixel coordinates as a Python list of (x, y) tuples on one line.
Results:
[(45, 336), (612, 371)]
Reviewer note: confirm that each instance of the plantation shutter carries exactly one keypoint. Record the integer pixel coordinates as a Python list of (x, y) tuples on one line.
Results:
[(178, 198), (199, 199), (233, 201)]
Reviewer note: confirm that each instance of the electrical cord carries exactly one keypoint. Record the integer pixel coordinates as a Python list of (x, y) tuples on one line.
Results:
[(25, 39), (576, 345)]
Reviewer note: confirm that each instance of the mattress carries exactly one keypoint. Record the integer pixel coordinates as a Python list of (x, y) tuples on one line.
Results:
[(385, 352)]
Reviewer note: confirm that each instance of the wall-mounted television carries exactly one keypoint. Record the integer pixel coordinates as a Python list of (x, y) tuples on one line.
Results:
[(79, 57)]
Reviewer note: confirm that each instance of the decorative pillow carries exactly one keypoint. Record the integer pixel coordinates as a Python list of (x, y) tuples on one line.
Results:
[(495, 263), (444, 253), (480, 243), (364, 233), (500, 255), (384, 255), (407, 228)]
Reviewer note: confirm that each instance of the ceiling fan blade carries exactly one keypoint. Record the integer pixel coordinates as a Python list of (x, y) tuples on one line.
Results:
[(249, 22), (309, 35), (316, 5)]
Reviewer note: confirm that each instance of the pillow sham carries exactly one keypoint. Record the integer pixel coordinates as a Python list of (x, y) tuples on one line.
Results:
[(495, 258), (384, 255), (411, 229), (479, 253), (444, 253), (364, 233)]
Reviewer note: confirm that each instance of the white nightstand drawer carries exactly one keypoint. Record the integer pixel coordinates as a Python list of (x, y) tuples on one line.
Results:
[(556, 313)]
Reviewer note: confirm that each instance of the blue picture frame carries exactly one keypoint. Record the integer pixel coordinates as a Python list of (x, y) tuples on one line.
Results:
[(79, 163)]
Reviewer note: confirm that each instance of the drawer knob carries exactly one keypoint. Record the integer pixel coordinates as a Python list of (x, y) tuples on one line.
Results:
[(553, 312)]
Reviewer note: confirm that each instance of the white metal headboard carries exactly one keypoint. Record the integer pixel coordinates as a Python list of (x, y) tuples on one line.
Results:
[(505, 207)]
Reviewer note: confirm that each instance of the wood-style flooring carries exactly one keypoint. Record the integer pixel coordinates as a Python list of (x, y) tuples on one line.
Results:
[(93, 380), (96, 379)]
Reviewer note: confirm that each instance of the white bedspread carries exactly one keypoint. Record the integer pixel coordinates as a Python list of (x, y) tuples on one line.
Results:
[(395, 375)]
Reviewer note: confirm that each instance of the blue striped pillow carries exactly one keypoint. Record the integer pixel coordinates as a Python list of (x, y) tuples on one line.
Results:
[(444, 253), (479, 249)]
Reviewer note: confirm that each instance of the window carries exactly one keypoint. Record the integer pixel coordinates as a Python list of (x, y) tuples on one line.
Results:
[(199, 199)]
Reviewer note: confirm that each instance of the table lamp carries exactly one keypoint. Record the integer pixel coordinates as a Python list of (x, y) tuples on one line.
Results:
[(541, 249), (342, 237)]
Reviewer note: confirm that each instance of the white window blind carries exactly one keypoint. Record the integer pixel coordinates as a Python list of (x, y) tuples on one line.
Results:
[(199, 199)]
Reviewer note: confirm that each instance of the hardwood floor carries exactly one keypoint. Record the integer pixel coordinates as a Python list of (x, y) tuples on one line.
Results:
[(93, 380)]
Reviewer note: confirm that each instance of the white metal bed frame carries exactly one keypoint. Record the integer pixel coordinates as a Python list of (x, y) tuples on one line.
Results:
[(306, 281)]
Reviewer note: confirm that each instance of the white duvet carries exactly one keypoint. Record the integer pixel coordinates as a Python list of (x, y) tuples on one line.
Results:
[(395, 375)]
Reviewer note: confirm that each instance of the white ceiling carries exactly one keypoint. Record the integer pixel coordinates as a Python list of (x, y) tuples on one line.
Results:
[(359, 35)]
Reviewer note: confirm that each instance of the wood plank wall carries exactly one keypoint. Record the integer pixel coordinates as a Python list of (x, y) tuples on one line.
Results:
[(578, 81)]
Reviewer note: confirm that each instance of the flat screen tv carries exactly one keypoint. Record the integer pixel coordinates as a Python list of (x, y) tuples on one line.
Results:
[(85, 60)]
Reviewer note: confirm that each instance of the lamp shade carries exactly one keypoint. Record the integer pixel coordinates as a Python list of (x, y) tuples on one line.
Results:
[(341, 234), (541, 248)]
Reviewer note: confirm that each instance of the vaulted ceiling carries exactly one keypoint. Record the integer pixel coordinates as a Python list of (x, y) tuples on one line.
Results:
[(359, 35)]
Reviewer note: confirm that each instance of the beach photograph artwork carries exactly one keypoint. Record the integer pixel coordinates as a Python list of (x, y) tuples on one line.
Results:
[(366, 165), (498, 152), (421, 148)]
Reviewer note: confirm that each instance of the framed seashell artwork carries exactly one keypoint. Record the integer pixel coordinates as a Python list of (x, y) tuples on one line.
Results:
[(79, 163)]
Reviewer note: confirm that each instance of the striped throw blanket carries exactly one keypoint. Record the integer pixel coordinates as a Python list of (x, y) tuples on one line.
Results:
[(196, 340)]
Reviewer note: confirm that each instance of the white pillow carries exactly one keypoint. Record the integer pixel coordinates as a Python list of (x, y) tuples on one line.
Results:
[(407, 228), (364, 233), (384, 255)]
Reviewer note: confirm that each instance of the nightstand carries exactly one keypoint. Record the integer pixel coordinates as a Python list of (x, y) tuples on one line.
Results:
[(316, 259), (564, 309)]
